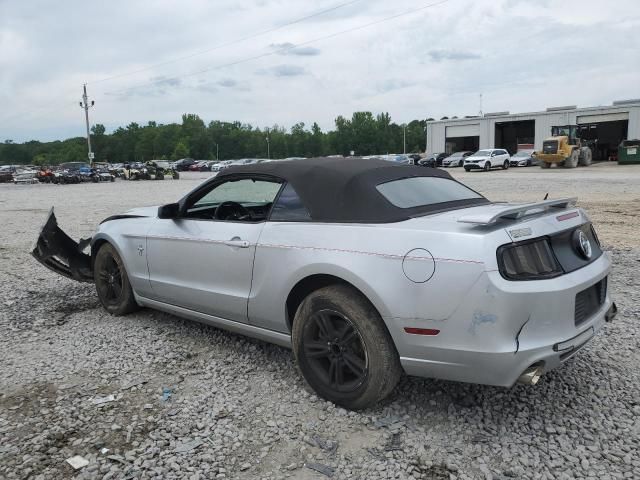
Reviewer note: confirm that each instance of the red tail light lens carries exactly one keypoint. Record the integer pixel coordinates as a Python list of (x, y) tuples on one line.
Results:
[(532, 260)]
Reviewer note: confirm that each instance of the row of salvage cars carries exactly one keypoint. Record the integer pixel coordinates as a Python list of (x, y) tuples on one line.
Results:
[(348, 262), (485, 159), (73, 172)]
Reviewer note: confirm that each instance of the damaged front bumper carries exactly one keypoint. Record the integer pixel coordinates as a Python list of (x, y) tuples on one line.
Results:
[(61, 254)]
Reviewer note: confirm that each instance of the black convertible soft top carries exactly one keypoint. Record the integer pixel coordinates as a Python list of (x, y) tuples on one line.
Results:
[(336, 189)]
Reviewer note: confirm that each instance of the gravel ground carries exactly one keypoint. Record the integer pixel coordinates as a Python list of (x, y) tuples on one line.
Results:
[(191, 401)]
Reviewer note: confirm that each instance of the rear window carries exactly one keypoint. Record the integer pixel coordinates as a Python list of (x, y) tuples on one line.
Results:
[(420, 191)]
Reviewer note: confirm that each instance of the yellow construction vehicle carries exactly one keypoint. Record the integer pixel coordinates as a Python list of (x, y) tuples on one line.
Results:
[(564, 148)]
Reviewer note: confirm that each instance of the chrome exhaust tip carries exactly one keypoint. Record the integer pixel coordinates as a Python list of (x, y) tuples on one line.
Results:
[(531, 375)]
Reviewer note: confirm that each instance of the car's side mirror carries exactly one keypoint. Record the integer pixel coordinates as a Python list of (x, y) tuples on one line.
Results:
[(169, 211)]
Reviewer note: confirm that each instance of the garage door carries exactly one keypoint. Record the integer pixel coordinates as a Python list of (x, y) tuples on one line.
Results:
[(471, 130), (606, 117)]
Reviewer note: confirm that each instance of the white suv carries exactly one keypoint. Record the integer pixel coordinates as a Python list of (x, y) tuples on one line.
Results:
[(487, 159)]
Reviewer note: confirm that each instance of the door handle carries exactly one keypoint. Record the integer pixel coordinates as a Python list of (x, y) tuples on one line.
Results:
[(237, 242)]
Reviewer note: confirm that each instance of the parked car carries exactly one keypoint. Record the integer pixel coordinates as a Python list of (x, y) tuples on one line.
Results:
[(437, 157), (161, 169), (401, 159), (523, 158), (351, 275), (183, 164), (428, 161), (456, 159), (26, 177), (487, 159)]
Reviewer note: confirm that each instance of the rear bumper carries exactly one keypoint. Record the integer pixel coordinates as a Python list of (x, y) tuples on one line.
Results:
[(503, 368), (503, 328), (61, 254)]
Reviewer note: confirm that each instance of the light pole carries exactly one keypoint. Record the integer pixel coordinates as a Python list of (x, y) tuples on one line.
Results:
[(268, 151), (217, 156)]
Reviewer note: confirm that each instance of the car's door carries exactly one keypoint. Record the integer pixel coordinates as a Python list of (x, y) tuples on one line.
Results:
[(203, 261)]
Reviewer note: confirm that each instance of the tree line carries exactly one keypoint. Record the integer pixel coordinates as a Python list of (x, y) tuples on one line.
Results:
[(364, 133)]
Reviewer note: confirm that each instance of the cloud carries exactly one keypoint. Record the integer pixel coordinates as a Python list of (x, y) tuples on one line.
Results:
[(455, 56), (415, 66), (227, 82), (284, 70), (289, 48), (163, 80)]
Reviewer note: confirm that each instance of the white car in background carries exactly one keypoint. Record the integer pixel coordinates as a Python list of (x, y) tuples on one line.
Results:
[(487, 159)]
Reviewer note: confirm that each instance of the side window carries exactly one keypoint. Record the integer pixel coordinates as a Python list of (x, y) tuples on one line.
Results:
[(244, 199), (289, 207)]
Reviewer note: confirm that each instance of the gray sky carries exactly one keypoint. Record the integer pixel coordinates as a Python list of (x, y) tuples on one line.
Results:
[(522, 55)]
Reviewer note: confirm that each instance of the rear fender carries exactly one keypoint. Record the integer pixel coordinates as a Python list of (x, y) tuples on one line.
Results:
[(61, 254)]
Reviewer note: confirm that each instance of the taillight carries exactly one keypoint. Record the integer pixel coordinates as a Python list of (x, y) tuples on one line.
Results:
[(595, 236), (531, 260)]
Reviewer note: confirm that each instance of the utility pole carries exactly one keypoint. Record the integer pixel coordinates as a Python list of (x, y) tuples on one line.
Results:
[(85, 104), (480, 113)]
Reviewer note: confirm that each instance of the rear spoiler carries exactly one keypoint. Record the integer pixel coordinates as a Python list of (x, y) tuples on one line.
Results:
[(495, 212)]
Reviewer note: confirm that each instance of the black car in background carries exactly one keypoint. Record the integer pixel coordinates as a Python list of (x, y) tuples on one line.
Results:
[(183, 164), (433, 160)]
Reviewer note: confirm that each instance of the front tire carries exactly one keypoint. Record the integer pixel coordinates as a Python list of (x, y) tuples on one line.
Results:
[(343, 348), (112, 282), (487, 166), (572, 160)]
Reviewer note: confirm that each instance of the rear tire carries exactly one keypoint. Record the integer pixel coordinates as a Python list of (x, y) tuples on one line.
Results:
[(112, 283), (586, 157), (505, 165), (343, 348), (487, 166)]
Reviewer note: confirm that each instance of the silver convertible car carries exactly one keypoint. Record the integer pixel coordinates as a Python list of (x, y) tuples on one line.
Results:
[(364, 268)]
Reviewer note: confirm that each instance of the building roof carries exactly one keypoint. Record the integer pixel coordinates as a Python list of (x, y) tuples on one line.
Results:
[(617, 106), (344, 189)]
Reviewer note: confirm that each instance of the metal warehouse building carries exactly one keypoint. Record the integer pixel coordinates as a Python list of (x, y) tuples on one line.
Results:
[(609, 125)]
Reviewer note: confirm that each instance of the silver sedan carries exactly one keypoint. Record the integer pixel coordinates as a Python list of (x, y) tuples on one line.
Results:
[(350, 263)]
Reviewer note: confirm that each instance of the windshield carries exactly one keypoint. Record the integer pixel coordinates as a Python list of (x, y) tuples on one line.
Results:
[(482, 153), (420, 191), (523, 153), (457, 155)]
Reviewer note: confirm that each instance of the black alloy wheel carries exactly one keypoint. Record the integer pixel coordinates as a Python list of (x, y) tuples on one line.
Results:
[(112, 283), (343, 348), (335, 351)]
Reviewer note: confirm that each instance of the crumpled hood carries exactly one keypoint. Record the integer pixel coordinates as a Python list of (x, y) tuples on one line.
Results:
[(140, 212), (143, 211)]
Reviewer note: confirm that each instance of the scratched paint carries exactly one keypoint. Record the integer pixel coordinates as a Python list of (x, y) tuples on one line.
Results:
[(481, 318)]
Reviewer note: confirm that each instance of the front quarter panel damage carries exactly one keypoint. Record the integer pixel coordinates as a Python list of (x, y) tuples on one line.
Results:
[(60, 253)]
